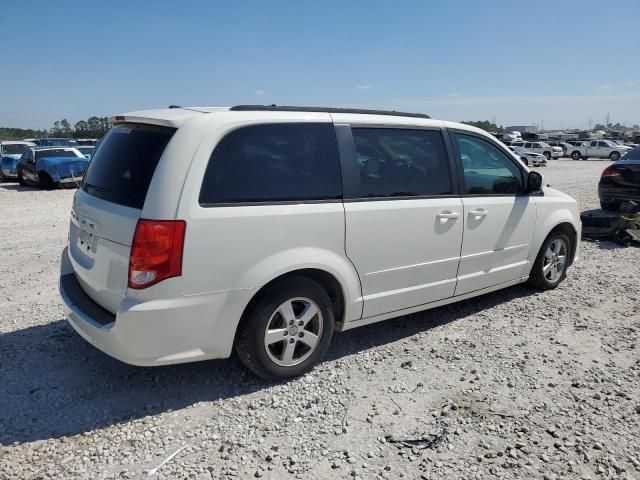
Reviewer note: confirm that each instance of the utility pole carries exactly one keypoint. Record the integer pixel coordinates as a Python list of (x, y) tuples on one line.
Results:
[(607, 121)]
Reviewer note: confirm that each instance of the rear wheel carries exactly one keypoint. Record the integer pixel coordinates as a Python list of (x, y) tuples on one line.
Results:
[(614, 156), (550, 267), (44, 181), (2, 177), (576, 155), (548, 155), (287, 330)]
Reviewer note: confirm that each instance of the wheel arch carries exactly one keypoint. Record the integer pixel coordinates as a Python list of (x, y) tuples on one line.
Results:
[(326, 280), (331, 271)]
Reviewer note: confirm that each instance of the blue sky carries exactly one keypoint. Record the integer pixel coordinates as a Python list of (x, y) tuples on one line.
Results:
[(520, 62)]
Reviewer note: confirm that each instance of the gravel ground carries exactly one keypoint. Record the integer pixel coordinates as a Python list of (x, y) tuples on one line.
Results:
[(515, 384)]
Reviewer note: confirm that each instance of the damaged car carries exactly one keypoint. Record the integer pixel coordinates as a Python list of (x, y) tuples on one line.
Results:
[(51, 167), (10, 153)]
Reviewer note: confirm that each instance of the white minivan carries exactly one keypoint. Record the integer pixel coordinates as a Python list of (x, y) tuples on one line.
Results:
[(264, 229)]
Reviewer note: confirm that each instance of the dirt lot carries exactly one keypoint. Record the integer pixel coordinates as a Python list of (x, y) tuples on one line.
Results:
[(515, 384)]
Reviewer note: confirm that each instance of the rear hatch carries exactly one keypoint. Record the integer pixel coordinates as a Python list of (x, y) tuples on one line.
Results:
[(108, 205)]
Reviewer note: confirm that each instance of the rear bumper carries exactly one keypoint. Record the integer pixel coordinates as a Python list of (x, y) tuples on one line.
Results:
[(613, 192), (155, 332)]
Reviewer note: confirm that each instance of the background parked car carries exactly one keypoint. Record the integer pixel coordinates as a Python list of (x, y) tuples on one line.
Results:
[(54, 142), (620, 181), (599, 149), (543, 148), (563, 145), (48, 167), (86, 142), (530, 158), (87, 150), (10, 153)]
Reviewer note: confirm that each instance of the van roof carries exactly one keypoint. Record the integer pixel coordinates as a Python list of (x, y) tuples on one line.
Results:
[(176, 116)]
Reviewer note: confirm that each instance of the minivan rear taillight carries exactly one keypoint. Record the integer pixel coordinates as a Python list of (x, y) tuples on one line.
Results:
[(156, 252)]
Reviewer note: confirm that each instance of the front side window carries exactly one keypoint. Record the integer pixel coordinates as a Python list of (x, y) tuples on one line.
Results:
[(401, 163), (487, 170), (274, 162)]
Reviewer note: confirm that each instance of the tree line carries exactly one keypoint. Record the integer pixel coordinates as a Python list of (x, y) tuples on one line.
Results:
[(92, 127)]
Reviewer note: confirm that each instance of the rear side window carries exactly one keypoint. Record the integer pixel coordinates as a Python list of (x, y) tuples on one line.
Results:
[(274, 162), (401, 162), (124, 163)]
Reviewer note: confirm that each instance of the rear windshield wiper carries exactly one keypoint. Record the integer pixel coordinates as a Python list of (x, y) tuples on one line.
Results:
[(97, 188)]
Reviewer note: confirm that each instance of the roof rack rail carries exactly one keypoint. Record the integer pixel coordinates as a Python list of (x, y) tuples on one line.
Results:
[(283, 108)]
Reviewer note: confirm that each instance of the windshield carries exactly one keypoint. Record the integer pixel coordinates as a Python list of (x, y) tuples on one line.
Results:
[(57, 152), (14, 149)]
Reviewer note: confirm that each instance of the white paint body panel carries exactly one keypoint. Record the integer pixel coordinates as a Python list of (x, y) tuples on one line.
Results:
[(404, 253), (390, 257), (496, 245)]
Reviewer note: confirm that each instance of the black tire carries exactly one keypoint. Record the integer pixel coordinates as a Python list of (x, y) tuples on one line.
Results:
[(614, 156), (548, 155), (44, 181), (576, 155), (20, 179), (537, 277), (250, 336), (2, 178), (610, 205)]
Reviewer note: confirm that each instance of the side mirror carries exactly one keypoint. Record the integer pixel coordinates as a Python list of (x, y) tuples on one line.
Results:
[(534, 182)]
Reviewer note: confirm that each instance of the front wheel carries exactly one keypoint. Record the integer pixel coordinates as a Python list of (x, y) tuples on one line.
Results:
[(548, 155), (614, 156), (576, 155), (287, 330), (550, 267), (44, 181), (21, 179)]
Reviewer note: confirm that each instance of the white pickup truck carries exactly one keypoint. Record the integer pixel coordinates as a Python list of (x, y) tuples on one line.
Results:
[(598, 149), (543, 148)]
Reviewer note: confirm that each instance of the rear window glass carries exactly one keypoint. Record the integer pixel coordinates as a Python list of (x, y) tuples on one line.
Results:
[(123, 165), (55, 153), (274, 162)]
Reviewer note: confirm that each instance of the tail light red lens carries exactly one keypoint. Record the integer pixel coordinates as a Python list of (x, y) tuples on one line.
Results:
[(611, 172), (156, 252)]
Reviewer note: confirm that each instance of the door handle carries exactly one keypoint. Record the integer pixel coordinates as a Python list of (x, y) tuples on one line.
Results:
[(478, 213), (446, 216)]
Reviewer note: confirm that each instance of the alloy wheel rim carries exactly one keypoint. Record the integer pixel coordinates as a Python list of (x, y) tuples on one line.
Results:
[(293, 331), (555, 260)]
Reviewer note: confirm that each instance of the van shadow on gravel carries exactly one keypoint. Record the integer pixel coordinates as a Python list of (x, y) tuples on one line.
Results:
[(55, 384)]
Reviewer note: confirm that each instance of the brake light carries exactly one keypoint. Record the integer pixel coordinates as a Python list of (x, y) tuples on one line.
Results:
[(611, 172), (156, 252)]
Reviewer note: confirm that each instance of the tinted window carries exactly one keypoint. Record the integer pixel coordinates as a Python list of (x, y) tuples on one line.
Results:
[(274, 162), (487, 170), (399, 163), (122, 167), (62, 152), (14, 149)]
